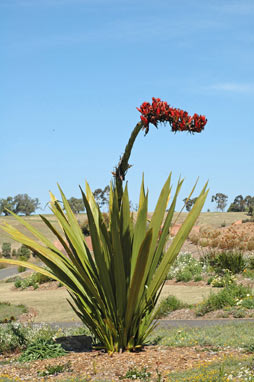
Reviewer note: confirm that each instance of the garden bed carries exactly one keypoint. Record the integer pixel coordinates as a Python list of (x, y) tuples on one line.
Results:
[(202, 352), (97, 365)]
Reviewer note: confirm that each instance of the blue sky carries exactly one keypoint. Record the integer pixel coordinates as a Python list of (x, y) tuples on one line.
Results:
[(74, 71)]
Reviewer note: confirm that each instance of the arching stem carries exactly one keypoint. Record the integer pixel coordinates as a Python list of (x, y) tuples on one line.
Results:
[(123, 165)]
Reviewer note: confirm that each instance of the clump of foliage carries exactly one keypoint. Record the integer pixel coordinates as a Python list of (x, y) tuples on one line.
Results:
[(55, 369), (6, 250), (186, 268), (21, 268), (34, 280), (168, 305), (228, 296), (16, 337), (13, 337), (232, 261), (41, 349), (23, 252), (220, 281), (134, 373)]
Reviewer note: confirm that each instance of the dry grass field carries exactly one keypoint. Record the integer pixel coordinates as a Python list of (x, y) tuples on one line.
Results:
[(214, 219), (51, 305)]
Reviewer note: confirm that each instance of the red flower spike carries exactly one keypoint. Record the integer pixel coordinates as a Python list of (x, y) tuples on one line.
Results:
[(178, 119)]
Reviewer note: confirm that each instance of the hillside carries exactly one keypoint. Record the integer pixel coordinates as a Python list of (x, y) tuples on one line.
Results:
[(215, 219)]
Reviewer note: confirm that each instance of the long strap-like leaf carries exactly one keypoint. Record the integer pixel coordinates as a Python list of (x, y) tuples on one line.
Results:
[(176, 245)]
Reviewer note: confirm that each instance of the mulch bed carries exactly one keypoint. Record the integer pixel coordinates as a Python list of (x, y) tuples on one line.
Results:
[(101, 366)]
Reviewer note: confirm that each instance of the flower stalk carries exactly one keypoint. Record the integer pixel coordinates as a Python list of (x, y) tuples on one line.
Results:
[(157, 112)]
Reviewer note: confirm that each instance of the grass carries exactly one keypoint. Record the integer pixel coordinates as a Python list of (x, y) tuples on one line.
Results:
[(215, 219), (168, 305), (235, 335), (187, 294), (9, 312), (237, 367), (52, 305)]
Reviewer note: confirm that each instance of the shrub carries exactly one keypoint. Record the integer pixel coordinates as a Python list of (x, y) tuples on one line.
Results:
[(6, 250), (249, 273), (168, 305), (55, 369), (226, 260), (250, 262), (134, 374), (250, 220), (85, 227), (229, 296), (221, 281), (12, 337), (186, 268), (16, 337), (21, 268), (41, 349), (247, 302), (33, 280), (24, 252), (42, 279), (18, 283), (184, 275)]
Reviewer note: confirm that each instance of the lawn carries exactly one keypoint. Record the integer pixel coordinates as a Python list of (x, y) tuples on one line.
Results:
[(52, 306)]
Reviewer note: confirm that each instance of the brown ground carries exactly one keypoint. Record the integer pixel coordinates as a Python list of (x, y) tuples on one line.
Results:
[(101, 366)]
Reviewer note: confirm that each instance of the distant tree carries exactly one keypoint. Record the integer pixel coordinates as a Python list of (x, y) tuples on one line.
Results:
[(251, 211), (77, 205), (6, 250), (221, 201), (249, 204), (238, 204), (6, 203), (102, 196), (189, 204), (24, 204), (241, 204), (23, 252)]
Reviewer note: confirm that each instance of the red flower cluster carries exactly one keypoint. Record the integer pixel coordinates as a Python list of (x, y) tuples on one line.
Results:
[(178, 119)]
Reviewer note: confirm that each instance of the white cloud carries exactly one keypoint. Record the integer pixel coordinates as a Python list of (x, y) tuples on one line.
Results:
[(232, 87), (239, 7)]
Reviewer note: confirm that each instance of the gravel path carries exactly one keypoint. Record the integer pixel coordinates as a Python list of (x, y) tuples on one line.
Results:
[(163, 324), (7, 272)]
